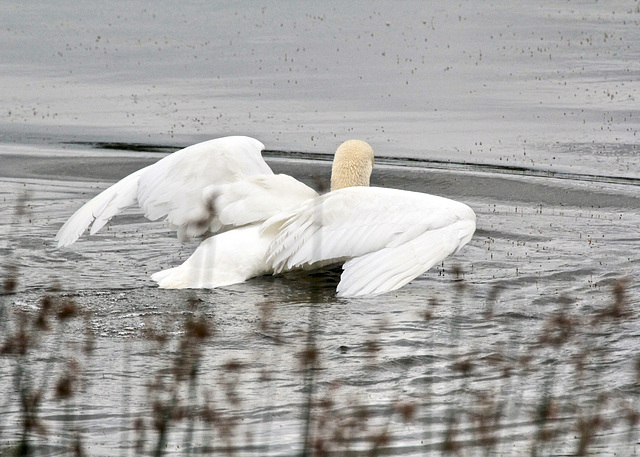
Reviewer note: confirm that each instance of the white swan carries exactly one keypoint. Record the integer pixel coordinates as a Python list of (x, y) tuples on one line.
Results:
[(269, 223)]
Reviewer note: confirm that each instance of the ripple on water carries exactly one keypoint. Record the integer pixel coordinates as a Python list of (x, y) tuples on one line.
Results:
[(448, 341)]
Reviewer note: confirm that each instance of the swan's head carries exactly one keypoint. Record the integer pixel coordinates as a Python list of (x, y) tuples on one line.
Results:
[(352, 165)]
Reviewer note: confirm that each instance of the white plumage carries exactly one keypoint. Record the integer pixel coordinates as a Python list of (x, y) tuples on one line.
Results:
[(273, 223), (386, 237)]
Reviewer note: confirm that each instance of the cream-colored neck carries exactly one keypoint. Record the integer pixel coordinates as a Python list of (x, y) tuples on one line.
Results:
[(352, 165)]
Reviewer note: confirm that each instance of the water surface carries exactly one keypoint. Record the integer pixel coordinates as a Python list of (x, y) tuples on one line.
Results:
[(527, 113)]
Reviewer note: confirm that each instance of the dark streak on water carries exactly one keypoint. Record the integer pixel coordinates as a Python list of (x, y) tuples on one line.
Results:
[(394, 161)]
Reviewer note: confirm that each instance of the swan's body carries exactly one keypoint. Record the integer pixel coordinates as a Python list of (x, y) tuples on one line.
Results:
[(272, 223)]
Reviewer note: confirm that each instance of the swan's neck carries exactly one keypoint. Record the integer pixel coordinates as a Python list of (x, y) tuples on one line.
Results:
[(352, 165)]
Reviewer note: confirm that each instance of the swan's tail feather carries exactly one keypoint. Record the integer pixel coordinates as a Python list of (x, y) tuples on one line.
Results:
[(227, 258), (100, 209)]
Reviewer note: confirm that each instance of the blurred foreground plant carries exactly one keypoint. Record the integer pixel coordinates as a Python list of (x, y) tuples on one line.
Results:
[(552, 387)]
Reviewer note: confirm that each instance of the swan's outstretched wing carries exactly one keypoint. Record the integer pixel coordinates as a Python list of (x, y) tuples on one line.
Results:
[(386, 236), (100, 209), (173, 187)]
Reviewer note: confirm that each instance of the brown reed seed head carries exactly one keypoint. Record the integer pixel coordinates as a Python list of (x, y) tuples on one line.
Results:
[(159, 336), (138, 424), (361, 414), (76, 448), (380, 439), (309, 356), (372, 347), (30, 401), (89, 342), (407, 410), (450, 445), (42, 319), (458, 282), (619, 307), (428, 313), (548, 410), (319, 447), (587, 431), (463, 366), (20, 341), (486, 417), (160, 416), (198, 329), (632, 417), (208, 414), (67, 309), (10, 282), (64, 388), (547, 413), (233, 366), (558, 329)]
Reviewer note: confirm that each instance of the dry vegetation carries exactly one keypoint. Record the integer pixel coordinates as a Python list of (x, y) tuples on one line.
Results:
[(477, 422), (531, 403)]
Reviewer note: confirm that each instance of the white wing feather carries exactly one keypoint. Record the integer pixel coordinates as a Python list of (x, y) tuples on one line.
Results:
[(101, 208), (257, 198), (391, 268), (386, 236), (173, 187)]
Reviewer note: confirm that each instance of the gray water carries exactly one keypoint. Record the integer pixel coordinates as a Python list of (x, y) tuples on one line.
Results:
[(527, 113)]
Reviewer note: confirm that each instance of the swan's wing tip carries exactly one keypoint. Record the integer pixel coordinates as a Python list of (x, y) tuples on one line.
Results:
[(389, 269), (72, 229), (63, 243), (75, 226)]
